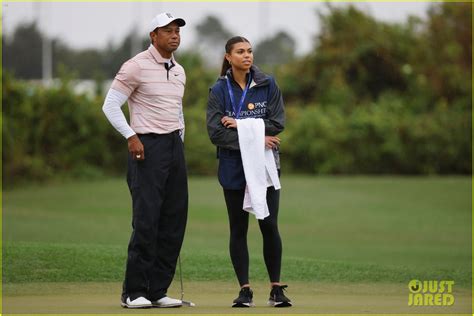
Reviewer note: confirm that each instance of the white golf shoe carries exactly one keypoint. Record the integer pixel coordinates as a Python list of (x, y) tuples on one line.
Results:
[(139, 302), (167, 302)]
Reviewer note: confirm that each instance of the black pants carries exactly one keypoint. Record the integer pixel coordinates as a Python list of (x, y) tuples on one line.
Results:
[(238, 223), (159, 190)]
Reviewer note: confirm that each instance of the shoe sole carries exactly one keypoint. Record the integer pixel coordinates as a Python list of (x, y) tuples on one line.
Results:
[(243, 305), (125, 305), (279, 304), (168, 306)]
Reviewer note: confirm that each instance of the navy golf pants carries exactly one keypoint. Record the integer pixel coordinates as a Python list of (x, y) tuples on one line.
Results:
[(239, 222), (159, 190)]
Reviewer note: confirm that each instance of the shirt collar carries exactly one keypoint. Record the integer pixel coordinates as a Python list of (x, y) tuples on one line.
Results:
[(157, 56)]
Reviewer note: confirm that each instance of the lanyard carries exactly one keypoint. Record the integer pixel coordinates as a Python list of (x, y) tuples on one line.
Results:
[(242, 99)]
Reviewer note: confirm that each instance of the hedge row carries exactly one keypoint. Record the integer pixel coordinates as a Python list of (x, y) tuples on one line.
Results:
[(54, 132)]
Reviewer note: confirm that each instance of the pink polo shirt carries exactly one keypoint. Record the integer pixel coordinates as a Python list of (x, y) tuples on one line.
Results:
[(155, 98)]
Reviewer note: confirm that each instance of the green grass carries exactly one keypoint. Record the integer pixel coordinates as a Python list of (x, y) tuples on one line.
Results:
[(214, 298), (340, 229)]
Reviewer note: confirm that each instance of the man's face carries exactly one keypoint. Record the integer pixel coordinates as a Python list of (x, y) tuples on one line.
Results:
[(167, 38)]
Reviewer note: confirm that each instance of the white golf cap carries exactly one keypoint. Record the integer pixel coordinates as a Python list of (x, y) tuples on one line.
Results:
[(164, 19)]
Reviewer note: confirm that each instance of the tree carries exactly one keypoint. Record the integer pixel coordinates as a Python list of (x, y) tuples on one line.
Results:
[(22, 54), (446, 60), (276, 50), (211, 33), (115, 55), (86, 63), (356, 59)]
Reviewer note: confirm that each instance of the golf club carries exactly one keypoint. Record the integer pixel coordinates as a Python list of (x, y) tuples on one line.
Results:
[(185, 303)]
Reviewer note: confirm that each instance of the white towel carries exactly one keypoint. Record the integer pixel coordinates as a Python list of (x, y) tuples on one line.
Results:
[(259, 166)]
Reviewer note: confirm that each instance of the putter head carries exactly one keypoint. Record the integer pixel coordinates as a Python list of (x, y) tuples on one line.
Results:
[(188, 304)]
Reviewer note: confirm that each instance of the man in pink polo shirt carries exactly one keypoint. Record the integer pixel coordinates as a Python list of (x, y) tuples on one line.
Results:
[(153, 83)]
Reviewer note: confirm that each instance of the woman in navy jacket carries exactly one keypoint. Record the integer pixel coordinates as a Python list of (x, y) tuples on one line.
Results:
[(243, 91)]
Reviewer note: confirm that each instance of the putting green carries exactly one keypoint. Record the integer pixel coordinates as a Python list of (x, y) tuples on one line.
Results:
[(215, 298)]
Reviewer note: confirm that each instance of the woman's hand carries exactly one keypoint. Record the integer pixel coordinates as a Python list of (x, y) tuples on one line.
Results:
[(229, 122), (272, 142)]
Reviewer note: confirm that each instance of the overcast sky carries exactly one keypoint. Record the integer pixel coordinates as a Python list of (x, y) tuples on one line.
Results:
[(94, 24)]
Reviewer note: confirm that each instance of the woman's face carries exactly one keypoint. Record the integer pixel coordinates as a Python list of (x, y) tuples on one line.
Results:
[(241, 56)]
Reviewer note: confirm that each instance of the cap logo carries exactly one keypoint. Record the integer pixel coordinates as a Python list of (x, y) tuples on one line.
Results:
[(169, 15)]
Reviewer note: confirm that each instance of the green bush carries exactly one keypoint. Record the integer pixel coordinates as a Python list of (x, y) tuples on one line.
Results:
[(384, 137), (371, 97), (52, 131), (200, 152)]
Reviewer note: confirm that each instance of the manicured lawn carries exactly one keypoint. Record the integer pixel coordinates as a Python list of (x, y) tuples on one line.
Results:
[(334, 229)]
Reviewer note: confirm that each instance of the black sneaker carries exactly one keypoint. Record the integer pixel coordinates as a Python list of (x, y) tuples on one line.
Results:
[(244, 299), (278, 298)]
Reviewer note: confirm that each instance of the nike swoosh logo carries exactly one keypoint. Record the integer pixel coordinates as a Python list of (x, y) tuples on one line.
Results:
[(176, 75)]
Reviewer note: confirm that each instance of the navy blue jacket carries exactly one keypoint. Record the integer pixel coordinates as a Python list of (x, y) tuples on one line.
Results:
[(263, 100)]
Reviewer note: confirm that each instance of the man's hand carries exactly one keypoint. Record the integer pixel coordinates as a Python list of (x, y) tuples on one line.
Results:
[(272, 142), (135, 148)]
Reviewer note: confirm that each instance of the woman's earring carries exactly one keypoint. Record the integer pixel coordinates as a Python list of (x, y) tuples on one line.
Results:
[(230, 63)]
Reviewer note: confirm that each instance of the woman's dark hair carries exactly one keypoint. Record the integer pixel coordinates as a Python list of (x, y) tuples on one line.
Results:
[(228, 48)]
